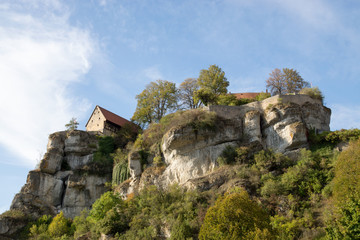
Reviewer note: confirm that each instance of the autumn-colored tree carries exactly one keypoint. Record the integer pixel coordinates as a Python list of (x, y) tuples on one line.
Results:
[(187, 92), (285, 81), (236, 216), (158, 99), (293, 81), (212, 83), (276, 82)]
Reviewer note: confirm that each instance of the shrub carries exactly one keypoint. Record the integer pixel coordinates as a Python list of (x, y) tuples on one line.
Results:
[(314, 93), (59, 226), (343, 135), (262, 96), (13, 213), (102, 205), (347, 174), (235, 216), (198, 119), (227, 156)]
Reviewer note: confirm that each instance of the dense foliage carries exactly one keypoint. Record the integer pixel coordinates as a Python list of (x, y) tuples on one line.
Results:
[(212, 83), (236, 216), (155, 101)]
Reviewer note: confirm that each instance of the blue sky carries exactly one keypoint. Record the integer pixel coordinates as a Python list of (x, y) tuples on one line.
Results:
[(58, 59)]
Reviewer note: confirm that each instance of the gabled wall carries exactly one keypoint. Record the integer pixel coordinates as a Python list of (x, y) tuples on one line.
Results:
[(96, 121)]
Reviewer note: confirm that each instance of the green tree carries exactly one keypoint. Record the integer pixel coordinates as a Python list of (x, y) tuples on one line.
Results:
[(285, 81), (59, 226), (158, 99), (236, 216), (346, 194), (187, 92), (72, 125), (212, 84)]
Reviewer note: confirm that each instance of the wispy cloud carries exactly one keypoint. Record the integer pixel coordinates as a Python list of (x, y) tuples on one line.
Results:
[(345, 117), (40, 59), (153, 73)]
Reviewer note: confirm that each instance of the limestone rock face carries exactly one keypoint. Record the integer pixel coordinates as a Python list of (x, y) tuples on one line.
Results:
[(281, 123), (60, 183), (190, 154)]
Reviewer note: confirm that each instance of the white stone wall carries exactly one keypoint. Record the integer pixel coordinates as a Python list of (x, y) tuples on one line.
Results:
[(96, 122)]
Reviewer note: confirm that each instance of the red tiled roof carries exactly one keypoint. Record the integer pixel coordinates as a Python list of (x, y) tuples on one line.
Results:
[(112, 117), (249, 95)]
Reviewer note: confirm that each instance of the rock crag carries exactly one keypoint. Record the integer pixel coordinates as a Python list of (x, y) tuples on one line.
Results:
[(281, 123), (64, 180)]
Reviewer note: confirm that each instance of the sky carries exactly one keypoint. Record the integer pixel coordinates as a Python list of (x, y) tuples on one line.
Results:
[(61, 58)]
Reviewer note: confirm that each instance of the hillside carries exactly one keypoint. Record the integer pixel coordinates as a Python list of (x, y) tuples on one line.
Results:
[(274, 158)]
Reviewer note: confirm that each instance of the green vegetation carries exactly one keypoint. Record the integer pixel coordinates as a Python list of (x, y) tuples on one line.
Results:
[(345, 221), (212, 83), (72, 125), (236, 216), (315, 196), (196, 118), (262, 96), (158, 99), (314, 93), (343, 135)]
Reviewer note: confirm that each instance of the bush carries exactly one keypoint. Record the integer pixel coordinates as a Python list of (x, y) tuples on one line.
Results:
[(314, 93), (60, 226), (227, 156), (235, 216), (198, 119), (343, 135), (262, 96)]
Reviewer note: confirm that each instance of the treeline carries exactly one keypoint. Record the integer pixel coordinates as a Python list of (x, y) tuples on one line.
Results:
[(210, 88)]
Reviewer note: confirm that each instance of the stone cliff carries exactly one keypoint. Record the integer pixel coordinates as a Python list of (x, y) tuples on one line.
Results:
[(68, 180), (64, 181), (281, 123)]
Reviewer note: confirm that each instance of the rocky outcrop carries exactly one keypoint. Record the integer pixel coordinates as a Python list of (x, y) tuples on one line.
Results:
[(64, 180), (281, 123)]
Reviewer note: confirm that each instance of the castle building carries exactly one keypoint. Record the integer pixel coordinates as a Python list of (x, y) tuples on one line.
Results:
[(106, 122)]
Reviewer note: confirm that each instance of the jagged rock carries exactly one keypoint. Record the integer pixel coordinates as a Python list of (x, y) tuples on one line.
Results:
[(62, 182), (135, 164), (281, 123), (9, 226), (52, 160), (191, 154)]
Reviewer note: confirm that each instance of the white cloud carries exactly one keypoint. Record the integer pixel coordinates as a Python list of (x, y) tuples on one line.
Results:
[(345, 117), (153, 73), (40, 59), (317, 13)]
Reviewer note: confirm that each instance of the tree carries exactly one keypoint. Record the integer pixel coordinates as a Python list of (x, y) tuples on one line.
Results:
[(346, 195), (293, 81), (158, 99), (276, 82), (212, 83), (236, 216), (59, 226), (285, 81), (72, 125), (187, 92)]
